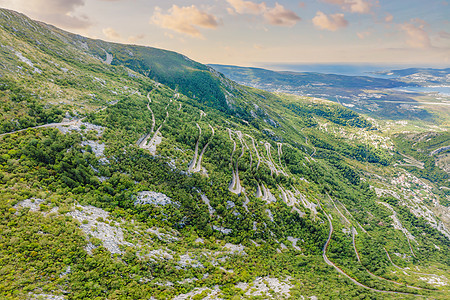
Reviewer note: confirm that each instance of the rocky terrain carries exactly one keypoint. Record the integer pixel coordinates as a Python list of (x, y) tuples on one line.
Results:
[(117, 182)]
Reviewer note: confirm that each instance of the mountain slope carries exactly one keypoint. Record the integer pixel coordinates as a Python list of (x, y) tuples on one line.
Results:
[(133, 189), (279, 78), (390, 98), (170, 68)]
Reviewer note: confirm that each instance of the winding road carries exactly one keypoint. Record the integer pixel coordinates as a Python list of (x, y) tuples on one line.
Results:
[(151, 145), (143, 142), (345, 218), (259, 193), (261, 190), (399, 226), (256, 151), (404, 269), (330, 263), (151, 111), (199, 163), (272, 165), (196, 165), (358, 256), (280, 153), (306, 142), (44, 126), (194, 159), (73, 122), (359, 225), (354, 232), (235, 184)]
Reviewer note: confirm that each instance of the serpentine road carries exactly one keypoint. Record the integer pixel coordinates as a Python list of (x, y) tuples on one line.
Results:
[(73, 122), (330, 263), (354, 232), (44, 126)]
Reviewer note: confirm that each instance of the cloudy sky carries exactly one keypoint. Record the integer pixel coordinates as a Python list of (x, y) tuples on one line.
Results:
[(255, 32)]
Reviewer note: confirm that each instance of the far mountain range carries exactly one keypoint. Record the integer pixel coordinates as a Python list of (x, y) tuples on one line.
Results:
[(393, 94)]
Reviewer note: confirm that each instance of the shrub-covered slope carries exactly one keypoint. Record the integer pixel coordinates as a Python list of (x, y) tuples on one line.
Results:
[(115, 184)]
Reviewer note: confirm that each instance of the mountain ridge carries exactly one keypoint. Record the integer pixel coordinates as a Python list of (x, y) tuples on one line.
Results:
[(144, 190), (172, 68), (381, 98)]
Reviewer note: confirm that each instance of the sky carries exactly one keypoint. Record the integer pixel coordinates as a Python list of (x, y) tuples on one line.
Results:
[(255, 33)]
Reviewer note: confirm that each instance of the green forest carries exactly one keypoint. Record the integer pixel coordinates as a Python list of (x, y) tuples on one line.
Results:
[(121, 183)]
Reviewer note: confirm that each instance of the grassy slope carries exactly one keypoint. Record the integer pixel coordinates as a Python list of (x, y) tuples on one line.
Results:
[(368, 95), (59, 169)]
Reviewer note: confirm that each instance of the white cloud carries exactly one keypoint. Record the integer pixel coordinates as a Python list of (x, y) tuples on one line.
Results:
[(444, 35), (259, 47), (57, 12), (111, 34), (136, 38), (329, 22), (354, 6), (389, 18), (277, 15), (281, 16), (248, 7), (362, 35), (185, 20), (415, 34)]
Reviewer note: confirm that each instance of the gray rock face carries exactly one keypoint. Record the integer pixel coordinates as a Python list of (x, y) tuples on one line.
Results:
[(94, 222), (155, 198)]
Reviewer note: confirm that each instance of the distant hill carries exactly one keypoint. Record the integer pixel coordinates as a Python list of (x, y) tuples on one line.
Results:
[(363, 94), (421, 76), (131, 172), (286, 78), (411, 71), (173, 69)]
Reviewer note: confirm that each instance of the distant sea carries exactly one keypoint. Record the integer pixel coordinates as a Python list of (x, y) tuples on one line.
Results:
[(362, 70), (443, 90), (345, 69)]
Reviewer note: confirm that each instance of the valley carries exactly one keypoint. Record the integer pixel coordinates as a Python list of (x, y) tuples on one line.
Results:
[(417, 95), (129, 172)]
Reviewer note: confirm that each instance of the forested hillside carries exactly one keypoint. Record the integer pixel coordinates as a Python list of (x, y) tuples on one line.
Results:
[(135, 173)]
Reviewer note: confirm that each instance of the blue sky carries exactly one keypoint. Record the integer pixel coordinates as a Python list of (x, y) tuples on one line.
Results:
[(253, 32)]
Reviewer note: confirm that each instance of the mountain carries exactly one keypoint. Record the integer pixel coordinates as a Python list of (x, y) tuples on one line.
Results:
[(412, 71), (395, 97), (135, 173), (170, 68), (259, 75), (421, 76)]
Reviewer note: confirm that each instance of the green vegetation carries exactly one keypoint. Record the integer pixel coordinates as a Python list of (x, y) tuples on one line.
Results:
[(422, 148), (21, 109), (105, 207), (371, 95)]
